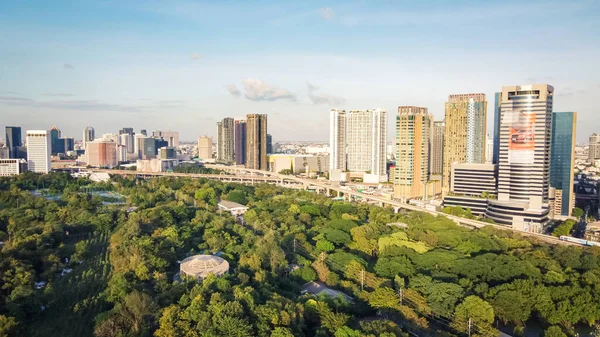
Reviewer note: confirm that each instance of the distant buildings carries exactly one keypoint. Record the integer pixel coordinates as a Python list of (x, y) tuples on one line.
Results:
[(464, 137), (225, 140), (413, 133), (156, 165), (524, 169), (269, 144), (205, 150), (296, 164), (240, 140), (127, 138), (39, 149), (562, 161), (88, 135), (102, 153), (256, 141), (13, 141), (594, 147), (171, 137), (489, 149)]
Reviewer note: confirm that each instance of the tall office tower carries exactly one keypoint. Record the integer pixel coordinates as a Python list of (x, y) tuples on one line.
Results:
[(205, 151), (172, 137), (128, 131), (497, 122), (436, 151), (138, 145), (269, 144), (69, 144), (88, 135), (413, 132), (562, 161), (256, 141), (337, 140), (126, 141), (102, 153), (464, 137), (489, 149), (58, 144), (524, 170), (39, 147), (13, 140), (367, 138), (131, 140), (225, 140), (594, 147), (239, 137), (149, 147)]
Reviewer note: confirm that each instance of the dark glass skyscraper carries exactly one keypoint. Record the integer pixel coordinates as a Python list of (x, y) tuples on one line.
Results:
[(57, 143), (269, 144), (562, 160), (497, 103), (13, 140), (239, 150)]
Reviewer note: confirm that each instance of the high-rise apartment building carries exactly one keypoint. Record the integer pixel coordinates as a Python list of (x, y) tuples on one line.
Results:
[(594, 147), (413, 135), (497, 122), (256, 141), (225, 140), (13, 141), (366, 138), (436, 151), (239, 137), (464, 137), (102, 153), (88, 135), (524, 169), (205, 151), (337, 140), (39, 147), (562, 161)]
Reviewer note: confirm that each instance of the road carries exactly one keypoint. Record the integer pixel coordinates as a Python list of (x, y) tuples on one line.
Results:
[(245, 175)]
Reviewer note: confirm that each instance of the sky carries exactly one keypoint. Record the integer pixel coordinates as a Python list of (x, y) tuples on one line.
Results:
[(184, 65)]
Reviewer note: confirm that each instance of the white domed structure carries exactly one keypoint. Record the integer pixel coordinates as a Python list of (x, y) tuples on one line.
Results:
[(200, 266)]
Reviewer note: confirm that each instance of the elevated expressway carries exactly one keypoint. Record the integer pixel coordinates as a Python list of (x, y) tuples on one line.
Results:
[(250, 176)]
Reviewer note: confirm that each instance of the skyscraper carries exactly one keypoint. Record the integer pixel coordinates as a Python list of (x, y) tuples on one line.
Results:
[(366, 138), (88, 135), (497, 122), (58, 144), (130, 136), (256, 141), (436, 153), (205, 148), (171, 137), (225, 140), (239, 150), (337, 140), (594, 147), (524, 170), (413, 134), (562, 160), (13, 141), (39, 148), (464, 137)]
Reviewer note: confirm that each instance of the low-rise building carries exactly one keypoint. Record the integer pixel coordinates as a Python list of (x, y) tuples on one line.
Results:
[(296, 164), (156, 165), (592, 232), (10, 167), (233, 207), (471, 185)]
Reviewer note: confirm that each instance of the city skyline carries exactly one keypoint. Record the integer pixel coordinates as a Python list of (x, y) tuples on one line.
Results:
[(189, 75)]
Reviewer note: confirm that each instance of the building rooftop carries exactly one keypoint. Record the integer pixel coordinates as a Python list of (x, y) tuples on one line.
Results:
[(317, 288), (202, 265), (230, 204)]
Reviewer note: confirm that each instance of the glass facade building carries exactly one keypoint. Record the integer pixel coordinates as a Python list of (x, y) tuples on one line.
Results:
[(13, 141), (562, 160)]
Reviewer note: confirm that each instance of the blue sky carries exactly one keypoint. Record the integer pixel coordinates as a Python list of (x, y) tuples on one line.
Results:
[(184, 65)]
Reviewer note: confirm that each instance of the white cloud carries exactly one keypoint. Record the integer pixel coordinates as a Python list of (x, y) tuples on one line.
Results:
[(233, 90), (257, 90), (326, 13), (321, 98), (196, 56)]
